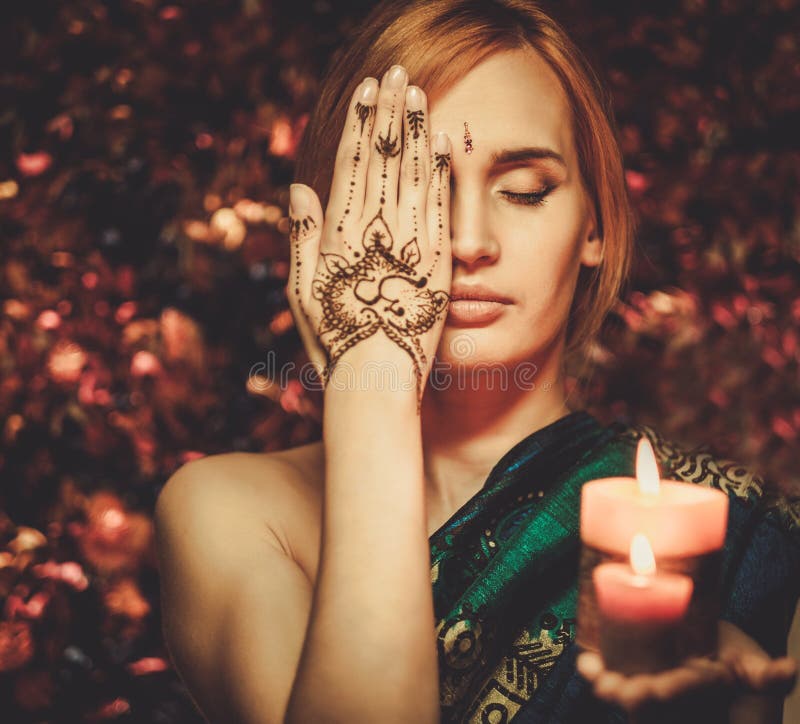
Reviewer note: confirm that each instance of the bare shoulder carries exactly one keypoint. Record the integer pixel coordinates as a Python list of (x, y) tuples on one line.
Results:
[(253, 498), (238, 540)]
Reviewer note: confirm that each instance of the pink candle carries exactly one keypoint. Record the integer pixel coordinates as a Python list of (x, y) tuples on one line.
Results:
[(640, 611), (637, 593), (679, 519)]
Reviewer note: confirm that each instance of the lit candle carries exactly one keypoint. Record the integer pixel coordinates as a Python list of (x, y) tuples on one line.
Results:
[(640, 611), (685, 525), (679, 519)]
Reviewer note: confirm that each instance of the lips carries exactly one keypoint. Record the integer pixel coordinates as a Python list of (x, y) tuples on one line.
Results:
[(475, 305), (477, 292)]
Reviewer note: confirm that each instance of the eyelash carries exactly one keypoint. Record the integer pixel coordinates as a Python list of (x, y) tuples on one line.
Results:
[(534, 198)]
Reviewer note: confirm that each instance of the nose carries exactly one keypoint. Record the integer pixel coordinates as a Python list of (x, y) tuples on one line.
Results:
[(471, 242)]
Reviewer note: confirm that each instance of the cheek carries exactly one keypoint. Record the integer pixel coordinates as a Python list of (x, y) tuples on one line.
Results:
[(544, 250)]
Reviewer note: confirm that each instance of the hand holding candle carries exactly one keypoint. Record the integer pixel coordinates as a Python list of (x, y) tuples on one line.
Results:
[(684, 526), (699, 689)]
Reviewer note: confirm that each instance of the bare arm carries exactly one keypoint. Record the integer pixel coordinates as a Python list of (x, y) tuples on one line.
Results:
[(370, 652), (236, 607), (374, 289), (234, 604), (251, 638)]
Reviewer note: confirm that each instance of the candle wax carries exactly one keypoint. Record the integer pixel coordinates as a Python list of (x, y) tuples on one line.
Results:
[(681, 520), (627, 596)]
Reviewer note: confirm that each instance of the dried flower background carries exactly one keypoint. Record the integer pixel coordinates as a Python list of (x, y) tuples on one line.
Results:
[(146, 153)]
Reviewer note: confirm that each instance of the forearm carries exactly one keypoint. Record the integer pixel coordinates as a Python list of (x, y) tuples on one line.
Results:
[(369, 652)]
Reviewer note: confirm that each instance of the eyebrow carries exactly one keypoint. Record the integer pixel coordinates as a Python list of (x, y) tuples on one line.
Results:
[(521, 155)]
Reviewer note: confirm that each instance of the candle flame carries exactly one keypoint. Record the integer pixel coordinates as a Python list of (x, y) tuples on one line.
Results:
[(643, 561), (647, 468)]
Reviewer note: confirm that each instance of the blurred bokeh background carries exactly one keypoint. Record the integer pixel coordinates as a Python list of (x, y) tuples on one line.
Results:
[(146, 149)]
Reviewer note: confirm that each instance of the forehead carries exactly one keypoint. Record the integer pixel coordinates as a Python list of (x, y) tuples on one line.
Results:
[(511, 99)]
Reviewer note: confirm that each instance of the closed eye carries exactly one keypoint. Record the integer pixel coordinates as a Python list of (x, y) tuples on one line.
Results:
[(532, 198)]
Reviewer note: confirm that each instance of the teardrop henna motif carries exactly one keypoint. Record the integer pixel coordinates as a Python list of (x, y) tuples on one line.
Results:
[(364, 113)]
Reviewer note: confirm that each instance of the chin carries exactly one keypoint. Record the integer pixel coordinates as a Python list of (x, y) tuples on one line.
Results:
[(494, 346), (467, 347), (477, 360)]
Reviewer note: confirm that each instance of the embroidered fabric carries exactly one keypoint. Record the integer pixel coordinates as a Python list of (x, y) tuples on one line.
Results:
[(504, 570)]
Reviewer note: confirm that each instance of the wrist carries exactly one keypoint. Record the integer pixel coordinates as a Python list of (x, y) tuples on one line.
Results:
[(365, 392), (381, 416), (391, 375)]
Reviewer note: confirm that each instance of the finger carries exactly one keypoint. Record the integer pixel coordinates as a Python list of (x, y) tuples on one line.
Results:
[(305, 233), (635, 691), (696, 674), (763, 674), (415, 163), (607, 684), (589, 665), (628, 692), (438, 203), (346, 200), (386, 145), (750, 668), (781, 676)]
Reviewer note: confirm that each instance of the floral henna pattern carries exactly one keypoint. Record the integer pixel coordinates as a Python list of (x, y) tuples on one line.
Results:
[(387, 146), (415, 129), (416, 120), (380, 290)]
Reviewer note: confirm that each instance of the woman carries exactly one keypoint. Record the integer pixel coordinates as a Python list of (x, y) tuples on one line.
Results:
[(475, 230)]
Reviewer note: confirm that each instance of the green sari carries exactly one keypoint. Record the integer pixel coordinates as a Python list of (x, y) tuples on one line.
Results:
[(504, 570)]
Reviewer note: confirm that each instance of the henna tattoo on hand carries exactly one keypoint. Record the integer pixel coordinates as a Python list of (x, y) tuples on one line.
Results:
[(388, 148), (415, 119), (386, 145), (441, 162), (353, 174), (379, 291), (364, 114), (298, 228)]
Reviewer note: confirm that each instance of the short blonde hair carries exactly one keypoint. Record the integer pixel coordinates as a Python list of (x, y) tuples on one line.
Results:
[(439, 41)]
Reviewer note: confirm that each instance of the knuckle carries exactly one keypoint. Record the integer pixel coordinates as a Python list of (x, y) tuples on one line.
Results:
[(440, 183), (344, 156), (410, 174), (386, 101), (424, 169)]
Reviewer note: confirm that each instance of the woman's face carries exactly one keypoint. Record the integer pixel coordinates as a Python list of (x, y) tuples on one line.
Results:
[(521, 222)]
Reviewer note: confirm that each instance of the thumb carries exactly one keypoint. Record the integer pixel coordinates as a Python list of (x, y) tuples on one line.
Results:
[(305, 233)]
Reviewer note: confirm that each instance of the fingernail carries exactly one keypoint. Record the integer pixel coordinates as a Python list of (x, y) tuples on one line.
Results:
[(396, 76), (369, 91), (298, 200), (414, 98), (441, 143)]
